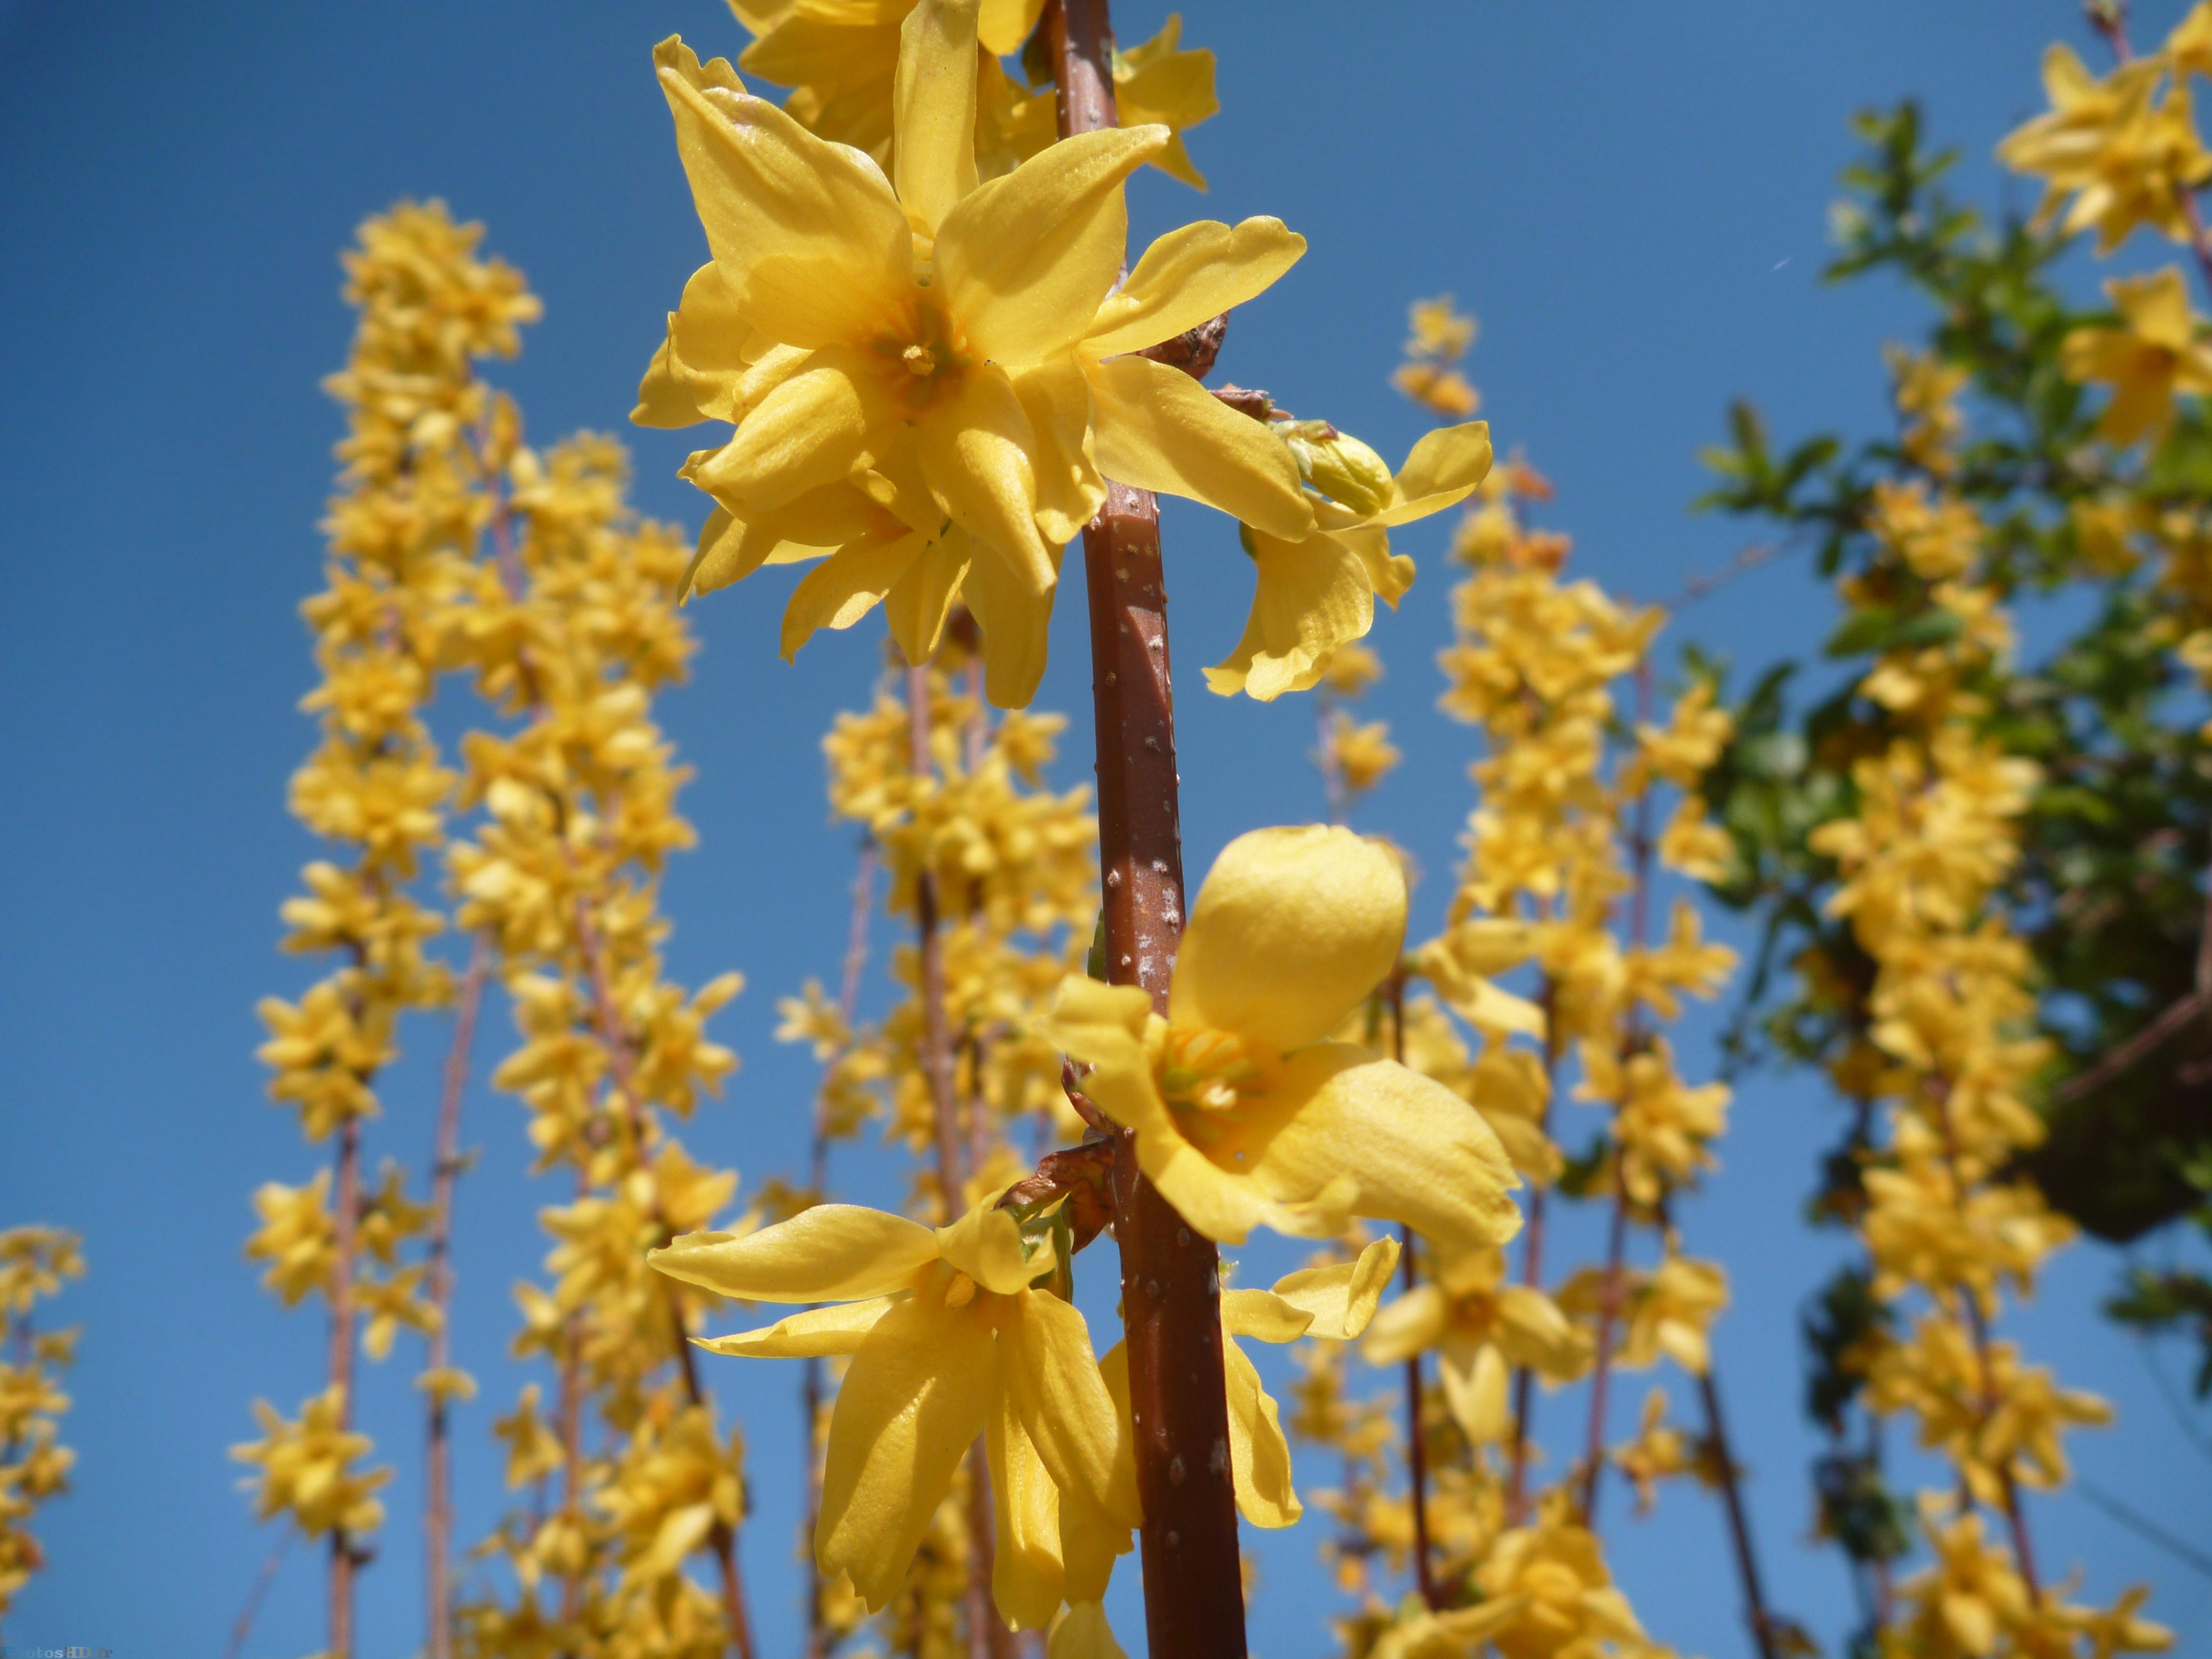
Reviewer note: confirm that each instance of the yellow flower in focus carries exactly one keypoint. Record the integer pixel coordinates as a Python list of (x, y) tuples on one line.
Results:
[(2156, 352), (1317, 591), (1480, 1328), (927, 373), (947, 1340), (1244, 1113)]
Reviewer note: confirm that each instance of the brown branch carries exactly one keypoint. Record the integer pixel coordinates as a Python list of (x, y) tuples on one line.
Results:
[(2169, 1024), (987, 1635), (1608, 1316), (444, 1170), (817, 1179), (246, 1615), (1532, 1271), (1755, 1612), (1417, 1432), (1747, 559), (1170, 1273), (345, 1246)]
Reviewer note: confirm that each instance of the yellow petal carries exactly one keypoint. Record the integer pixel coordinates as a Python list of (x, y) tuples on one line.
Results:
[(919, 601), (832, 1252), (1416, 1153), (1444, 468), (845, 586), (1057, 1392), (975, 452), (1057, 400), (813, 429), (1474, 1379), (917, 1392), (934, 110), (664, 400), (1003, 27), (807, 234), (1025, 1571), (1189, 276), (1311, 596), (1025, 260), (986, 1244), (1342, 1298), (1291, 929), (818, 1332), (1263, 1317), (732, 547), (1159, 429), (1083, 1633), (1413, 1324), (1259, 1456), (711, 348), (1015, 625)]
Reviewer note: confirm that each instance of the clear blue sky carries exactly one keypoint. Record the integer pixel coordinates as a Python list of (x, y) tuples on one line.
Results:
[(1631, 197)]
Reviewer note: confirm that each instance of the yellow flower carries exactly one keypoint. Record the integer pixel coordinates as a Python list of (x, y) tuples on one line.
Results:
[(1244, 1113), (1363, 755), (2125, 157), (927, 375), (1546, 1595), (841, 61), (1317, 589), (308, 1468), (2156, 352), (1480, 1328), (948, 1341), (1665, 1311)]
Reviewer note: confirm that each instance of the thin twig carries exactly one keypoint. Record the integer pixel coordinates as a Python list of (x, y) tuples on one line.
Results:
[(2143, 1527), (848, 1007), (1704, 583), (1532, 1271), (1417, 1433), (1747, 1560), (244, 1627), (445, 1171)]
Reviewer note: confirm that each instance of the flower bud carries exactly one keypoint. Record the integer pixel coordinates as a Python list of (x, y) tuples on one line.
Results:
[(1339, 465)]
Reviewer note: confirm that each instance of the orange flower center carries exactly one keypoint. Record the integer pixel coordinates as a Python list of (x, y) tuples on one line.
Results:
[(925, 357)]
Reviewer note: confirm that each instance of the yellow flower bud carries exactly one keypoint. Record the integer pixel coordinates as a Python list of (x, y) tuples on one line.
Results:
[(1339, 465)]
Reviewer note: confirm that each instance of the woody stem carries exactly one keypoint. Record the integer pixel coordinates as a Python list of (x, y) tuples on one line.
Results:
[(1532, 1274), (1417, 1433), (987, 1637), (1170, 1273), (444, 1170), (346, 1233), (817, 1180)]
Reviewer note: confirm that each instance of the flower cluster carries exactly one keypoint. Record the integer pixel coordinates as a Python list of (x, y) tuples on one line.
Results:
[(402, 535), (573, 628), (34, 1465), (1941, 1062), (1563, 857)]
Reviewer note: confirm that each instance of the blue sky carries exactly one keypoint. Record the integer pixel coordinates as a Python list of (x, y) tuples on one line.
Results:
[(1632, 198)]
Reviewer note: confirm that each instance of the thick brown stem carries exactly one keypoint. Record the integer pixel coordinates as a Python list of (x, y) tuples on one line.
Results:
[(444, 1170), (346, 1232), (1747, 1560), (1170, 1273)]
